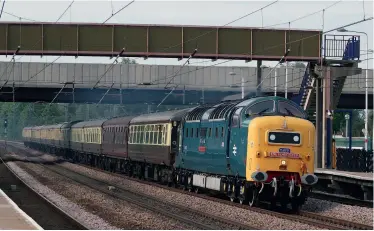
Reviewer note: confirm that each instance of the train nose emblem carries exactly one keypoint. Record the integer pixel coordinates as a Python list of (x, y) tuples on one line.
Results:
[(284, 124)]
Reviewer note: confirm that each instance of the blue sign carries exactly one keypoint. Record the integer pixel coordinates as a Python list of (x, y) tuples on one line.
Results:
[(285, 150)]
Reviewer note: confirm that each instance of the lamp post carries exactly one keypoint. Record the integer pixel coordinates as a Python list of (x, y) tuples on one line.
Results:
[(242, 82), (366, 84)]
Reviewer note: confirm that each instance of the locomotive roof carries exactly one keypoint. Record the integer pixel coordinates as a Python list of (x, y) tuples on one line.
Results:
[(223, 109), (165, 116), (118, 121)]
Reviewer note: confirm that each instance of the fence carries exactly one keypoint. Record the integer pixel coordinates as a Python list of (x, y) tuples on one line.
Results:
[(354, 160)]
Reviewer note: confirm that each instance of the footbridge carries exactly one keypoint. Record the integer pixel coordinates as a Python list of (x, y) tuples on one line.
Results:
[(135, 83)]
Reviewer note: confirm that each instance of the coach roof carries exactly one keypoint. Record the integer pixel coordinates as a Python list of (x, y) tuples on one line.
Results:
[(118, 121), (165, 116)]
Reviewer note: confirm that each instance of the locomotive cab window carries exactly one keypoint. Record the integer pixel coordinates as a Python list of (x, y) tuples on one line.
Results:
[(260, 108), (286, 108)]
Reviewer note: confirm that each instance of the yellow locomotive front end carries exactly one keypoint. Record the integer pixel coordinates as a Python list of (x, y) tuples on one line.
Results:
[(280, 157)]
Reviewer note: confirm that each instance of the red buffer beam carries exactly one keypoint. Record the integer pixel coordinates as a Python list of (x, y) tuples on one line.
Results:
[(162, 41)]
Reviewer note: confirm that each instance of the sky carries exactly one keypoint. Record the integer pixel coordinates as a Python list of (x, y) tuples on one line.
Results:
[(205, 13)]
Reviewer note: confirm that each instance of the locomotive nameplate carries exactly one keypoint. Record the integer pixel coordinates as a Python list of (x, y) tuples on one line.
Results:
[(284, 155)]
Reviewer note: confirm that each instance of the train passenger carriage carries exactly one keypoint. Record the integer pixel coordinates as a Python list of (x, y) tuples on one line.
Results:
[(153, 145), (67, 135), (92, 136), (35, 136), (77, 137), (154, 137), (26, 134), (55, 137), (115, 137)]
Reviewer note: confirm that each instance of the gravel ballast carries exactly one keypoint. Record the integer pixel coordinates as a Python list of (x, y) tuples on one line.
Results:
[(89, 220), (112, 213), (341, 211), (248, 217)]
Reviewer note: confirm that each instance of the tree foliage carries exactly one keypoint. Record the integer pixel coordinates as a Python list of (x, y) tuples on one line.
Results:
[(20, 115), (128, 61), (358, 123)]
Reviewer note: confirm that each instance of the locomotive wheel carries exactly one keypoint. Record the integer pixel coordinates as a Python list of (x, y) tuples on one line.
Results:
[(254, 200), (295, 206)]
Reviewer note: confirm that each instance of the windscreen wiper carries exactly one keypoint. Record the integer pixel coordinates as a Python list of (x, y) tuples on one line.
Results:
[(289, 112), (260, 113)]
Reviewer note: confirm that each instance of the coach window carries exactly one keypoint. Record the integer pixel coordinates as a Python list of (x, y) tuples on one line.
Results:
[(197, 132), (186, 132), (164, 134), (152, 134), (138, 134), (141, 134), (130, 134), (159, 134), (146, 134), (216, 132)]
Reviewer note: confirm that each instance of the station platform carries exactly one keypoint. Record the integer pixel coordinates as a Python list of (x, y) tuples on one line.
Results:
[(357, 184), (12, 217)]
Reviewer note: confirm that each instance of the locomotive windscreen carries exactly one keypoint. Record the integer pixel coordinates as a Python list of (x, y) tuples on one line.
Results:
[(284, 138)]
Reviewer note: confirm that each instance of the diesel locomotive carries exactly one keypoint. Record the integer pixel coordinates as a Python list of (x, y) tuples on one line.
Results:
[(252, 150)]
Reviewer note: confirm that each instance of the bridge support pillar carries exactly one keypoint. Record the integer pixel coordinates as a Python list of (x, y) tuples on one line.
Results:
[(319, 112), (259, 77), (329, 87)]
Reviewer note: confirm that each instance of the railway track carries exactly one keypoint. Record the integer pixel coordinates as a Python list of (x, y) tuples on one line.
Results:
[(303, 217), (314, 219), (341, 199), (183, 214), (43, 211)]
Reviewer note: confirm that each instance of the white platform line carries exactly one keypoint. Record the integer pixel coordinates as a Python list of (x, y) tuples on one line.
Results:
[(15, 206)]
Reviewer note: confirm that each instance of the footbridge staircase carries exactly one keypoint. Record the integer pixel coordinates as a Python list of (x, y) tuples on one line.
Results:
[(338, 51)]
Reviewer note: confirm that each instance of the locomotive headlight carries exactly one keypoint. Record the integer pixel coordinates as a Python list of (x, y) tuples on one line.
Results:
[(272, 137), (296, 138), (283, 162)]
